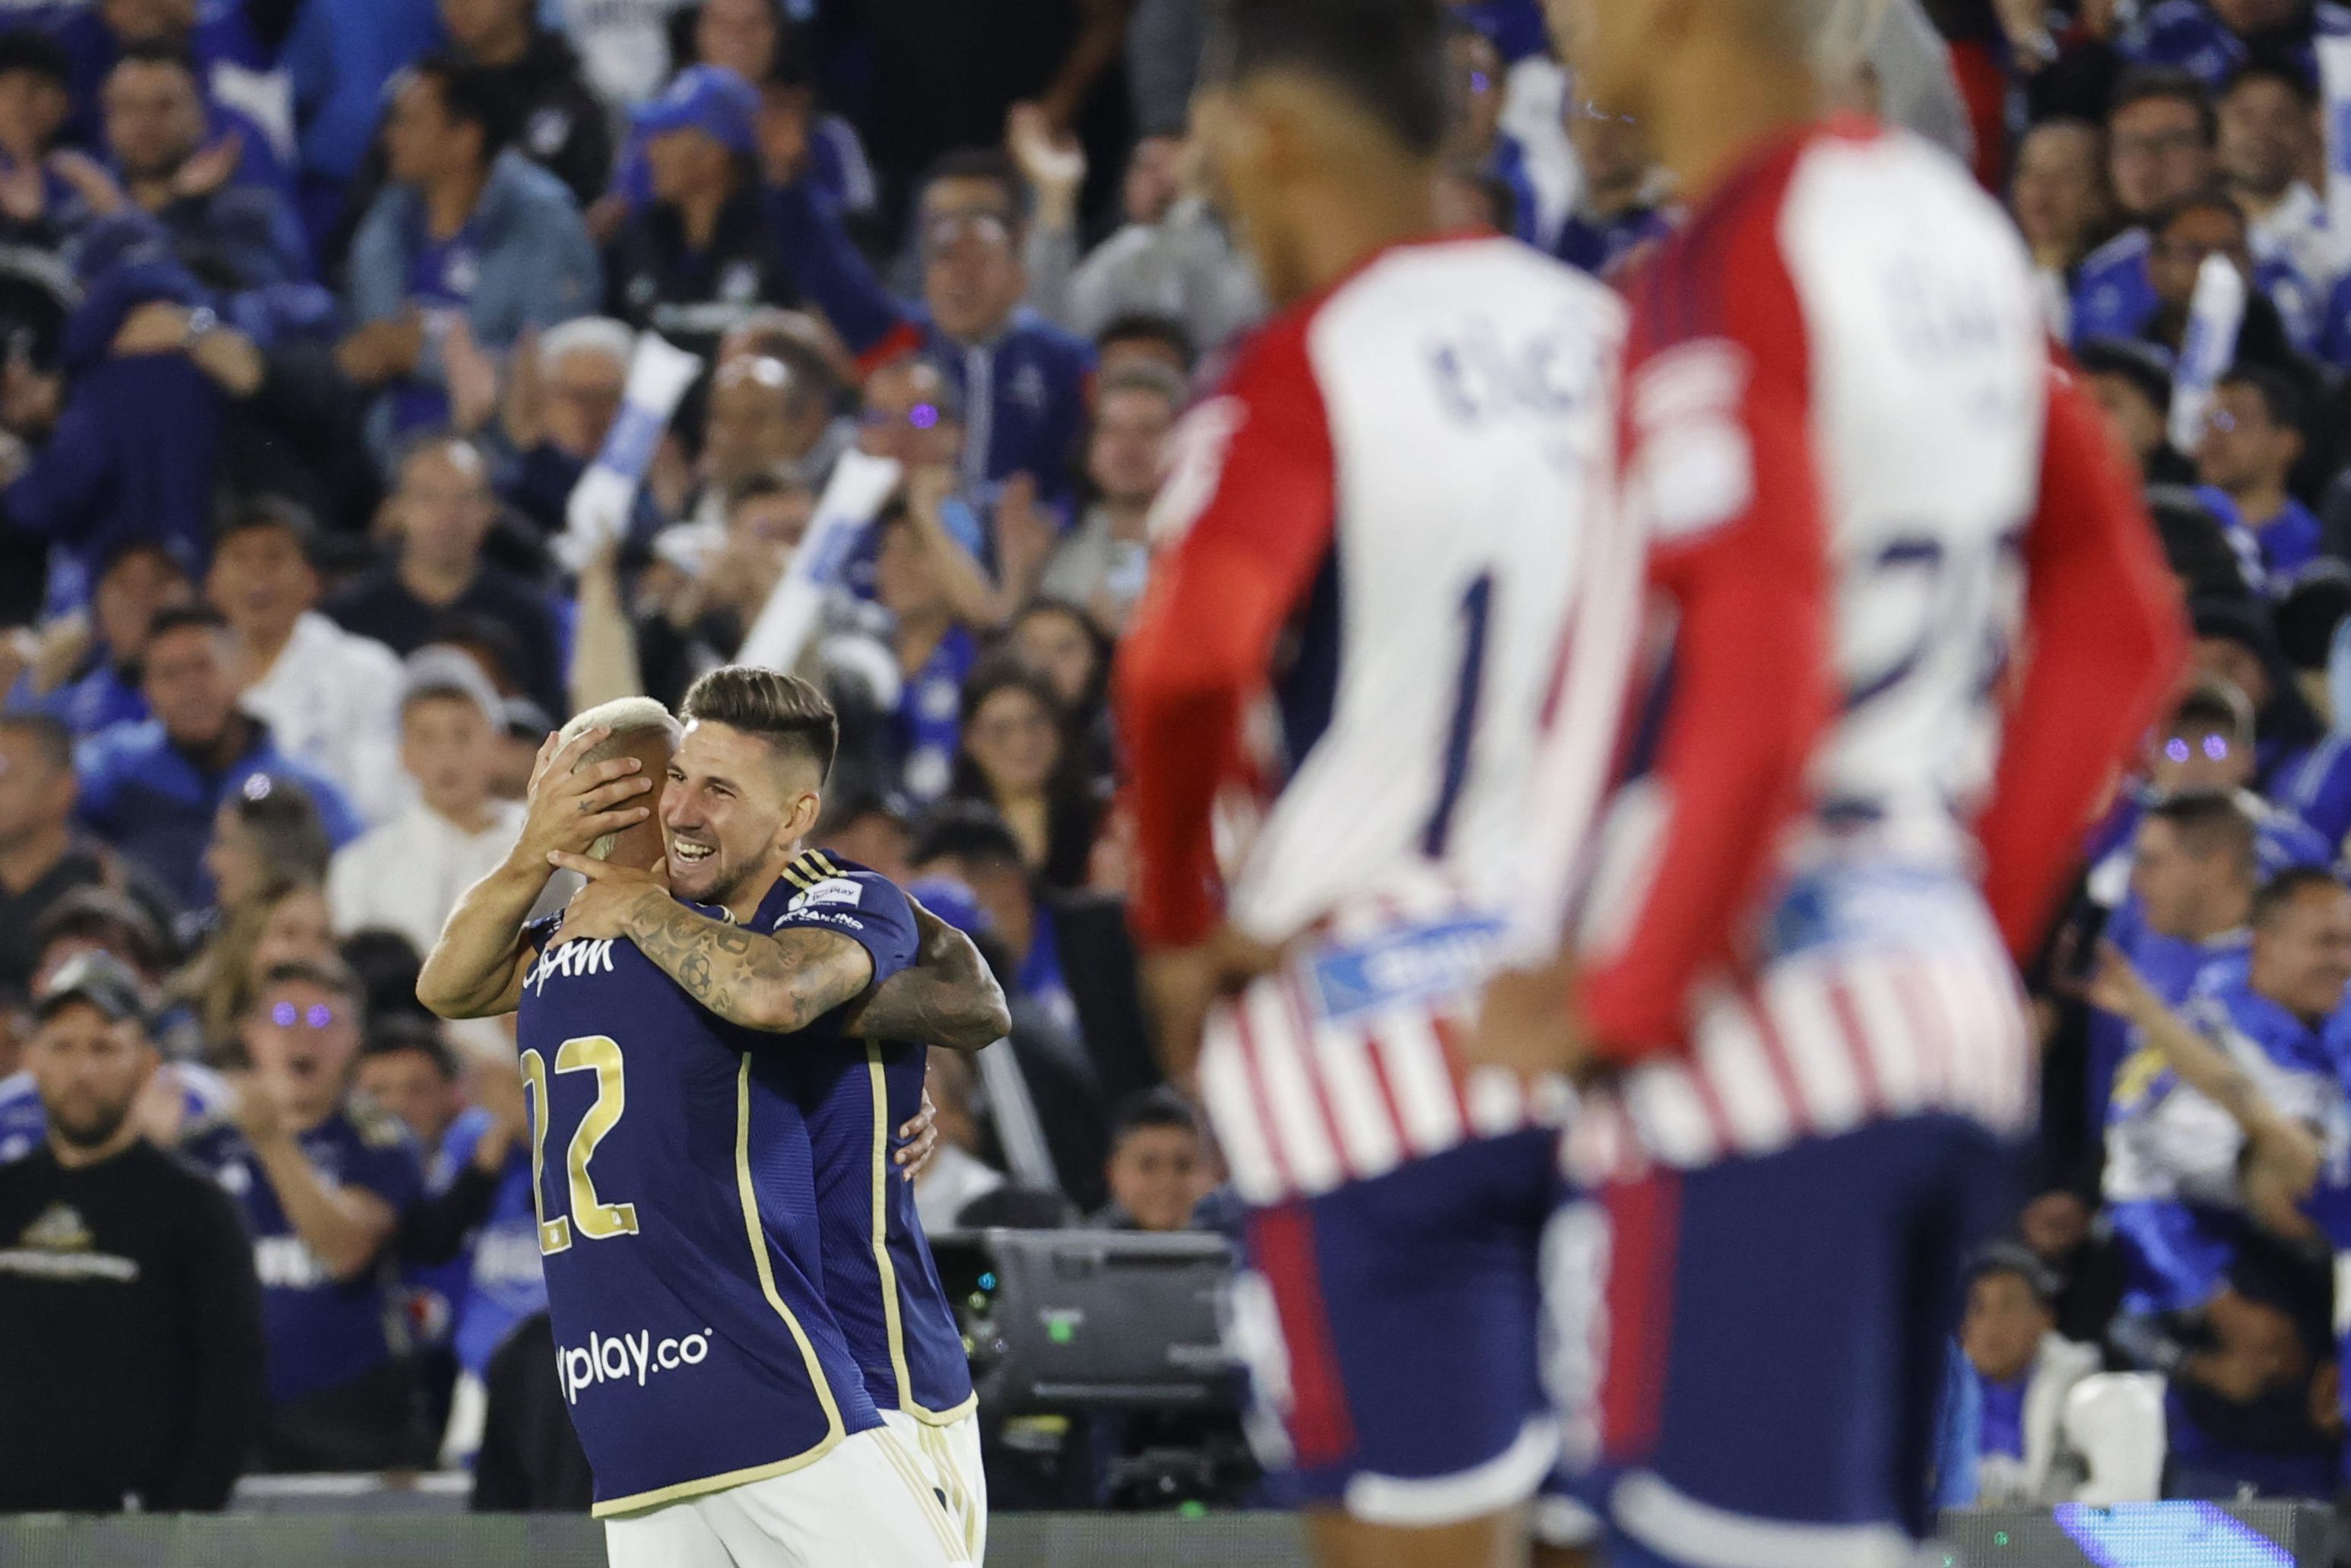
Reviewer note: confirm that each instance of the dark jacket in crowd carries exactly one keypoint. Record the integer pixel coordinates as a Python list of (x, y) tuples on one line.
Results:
[(136, 442), (379, 605), (530, 1459), (134, 1374), (655, 278)]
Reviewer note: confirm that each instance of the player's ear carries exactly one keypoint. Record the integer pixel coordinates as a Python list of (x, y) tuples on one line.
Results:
[(805, 813)]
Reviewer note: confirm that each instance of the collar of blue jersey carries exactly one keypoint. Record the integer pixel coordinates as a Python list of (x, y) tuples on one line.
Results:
[(2284, 1038)]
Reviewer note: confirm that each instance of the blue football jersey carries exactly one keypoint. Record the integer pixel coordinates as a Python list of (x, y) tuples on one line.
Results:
[(476, 1297), (322, 1332), (677, 1226), (878, 1278)]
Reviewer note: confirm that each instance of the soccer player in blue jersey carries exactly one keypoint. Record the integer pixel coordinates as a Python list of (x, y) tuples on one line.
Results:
[(743, 792), (688, 1185)]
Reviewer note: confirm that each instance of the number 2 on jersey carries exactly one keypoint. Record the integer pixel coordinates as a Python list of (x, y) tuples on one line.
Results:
[(597, 1219)]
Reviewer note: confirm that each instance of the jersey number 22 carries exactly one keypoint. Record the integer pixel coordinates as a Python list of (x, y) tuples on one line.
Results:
[(598, 1220)]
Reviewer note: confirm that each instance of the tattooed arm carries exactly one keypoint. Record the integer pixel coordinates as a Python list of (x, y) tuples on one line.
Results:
[(777, 984), (948, 1000), (781, 982)]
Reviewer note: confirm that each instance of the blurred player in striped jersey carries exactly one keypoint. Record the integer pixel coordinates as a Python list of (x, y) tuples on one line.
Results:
[(1909, 622), (1385, 519)]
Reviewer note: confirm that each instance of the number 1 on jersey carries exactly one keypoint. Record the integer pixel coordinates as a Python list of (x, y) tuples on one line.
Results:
[(597, 1219)]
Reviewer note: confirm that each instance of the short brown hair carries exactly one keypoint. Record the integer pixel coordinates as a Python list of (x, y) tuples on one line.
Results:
[(781, 709)]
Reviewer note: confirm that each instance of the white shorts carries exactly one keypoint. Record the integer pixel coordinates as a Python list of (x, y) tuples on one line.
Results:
[(867, 1504), (953, 1451)]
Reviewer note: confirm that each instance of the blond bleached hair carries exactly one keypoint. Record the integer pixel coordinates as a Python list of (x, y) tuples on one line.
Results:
[(625, 717)]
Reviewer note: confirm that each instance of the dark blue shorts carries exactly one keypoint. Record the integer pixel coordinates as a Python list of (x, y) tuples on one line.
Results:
[(1391, 1327), (1772, 1339)]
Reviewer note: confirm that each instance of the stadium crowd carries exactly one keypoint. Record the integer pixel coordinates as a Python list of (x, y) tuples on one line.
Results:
[(315, 313)]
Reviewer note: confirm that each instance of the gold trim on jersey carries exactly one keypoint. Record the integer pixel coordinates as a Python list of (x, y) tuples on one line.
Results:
[(637, 1502), (834, 1431), (894, 1323), (808, 868)]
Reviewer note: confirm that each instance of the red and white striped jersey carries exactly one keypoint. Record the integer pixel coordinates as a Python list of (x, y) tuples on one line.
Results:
[(1905, 619), (1330, 1071), (1383, 519)]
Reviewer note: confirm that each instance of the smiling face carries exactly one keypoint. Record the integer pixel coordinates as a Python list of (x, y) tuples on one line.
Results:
[(972, 275), (2302, 951), (731, 814)]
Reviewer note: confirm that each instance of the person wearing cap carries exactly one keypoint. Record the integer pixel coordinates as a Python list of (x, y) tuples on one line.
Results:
[(323, 1178), (700, 255), (126, 1281), (2024, 1371), (330, 696), (407, 873)]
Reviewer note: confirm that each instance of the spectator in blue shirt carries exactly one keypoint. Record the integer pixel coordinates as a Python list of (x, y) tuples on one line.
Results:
[(471, 244), (2160, 133), (323, 1179), (934, 650), (219, 42), (2252, 438), (1024, 381), (94, 681), (153, 789), (2023, 1370), (137, 438), (2211, 41), (238, 234), (40, 210), (2172, 1152)]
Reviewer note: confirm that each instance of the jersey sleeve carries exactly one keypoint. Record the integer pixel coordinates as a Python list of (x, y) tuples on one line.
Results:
[(2103, 643), (866, 908), (1719, 460), (1204, 635)]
